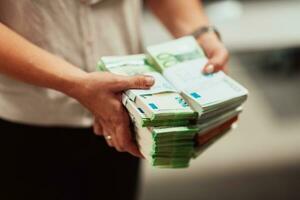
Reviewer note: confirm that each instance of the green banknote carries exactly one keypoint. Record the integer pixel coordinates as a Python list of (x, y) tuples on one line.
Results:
[(166, 146), (161, 101), (138, 116), (181, 62), (183, 103)]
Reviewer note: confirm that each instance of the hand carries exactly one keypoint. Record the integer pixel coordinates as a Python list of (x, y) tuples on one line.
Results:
[(101, 93), (215, 51)]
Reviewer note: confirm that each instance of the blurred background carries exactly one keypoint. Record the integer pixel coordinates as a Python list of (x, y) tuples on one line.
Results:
[(261, 158)]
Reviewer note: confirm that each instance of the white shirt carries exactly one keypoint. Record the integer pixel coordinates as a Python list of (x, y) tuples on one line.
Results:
[(80, 31)]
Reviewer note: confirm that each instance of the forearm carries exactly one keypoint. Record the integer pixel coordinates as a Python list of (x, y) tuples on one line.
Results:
[(181, 17), (98, 92), (24, 61)]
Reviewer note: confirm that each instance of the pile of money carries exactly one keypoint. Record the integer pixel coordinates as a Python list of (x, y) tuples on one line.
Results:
[(216, 97), (185, 111), (161, 117)]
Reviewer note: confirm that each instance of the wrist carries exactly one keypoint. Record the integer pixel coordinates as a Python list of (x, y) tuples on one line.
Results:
[(75, 84), (207, 38), (201, 31), (183, 28)]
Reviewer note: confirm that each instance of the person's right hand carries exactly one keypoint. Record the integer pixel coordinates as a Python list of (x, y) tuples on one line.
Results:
[(101, 93)]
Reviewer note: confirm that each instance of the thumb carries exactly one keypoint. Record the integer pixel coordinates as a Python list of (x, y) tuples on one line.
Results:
[(210, 67), (137, 82), (216, 62)]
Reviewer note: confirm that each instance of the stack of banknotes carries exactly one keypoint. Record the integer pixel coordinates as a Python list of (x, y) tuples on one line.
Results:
[(185, 110)]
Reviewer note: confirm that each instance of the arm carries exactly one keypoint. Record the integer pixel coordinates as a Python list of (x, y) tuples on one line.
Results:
[(26, 62), (99, 91), (182, 17)]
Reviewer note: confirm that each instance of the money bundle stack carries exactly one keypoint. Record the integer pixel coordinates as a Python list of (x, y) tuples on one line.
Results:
[(160, 116), (185, 111), (216, 98)]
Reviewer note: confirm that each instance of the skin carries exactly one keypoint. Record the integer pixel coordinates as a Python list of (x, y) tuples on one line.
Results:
[(182, 17), (26, 62)]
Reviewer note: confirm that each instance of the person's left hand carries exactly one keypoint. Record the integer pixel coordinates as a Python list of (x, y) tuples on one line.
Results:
[(215, 51)]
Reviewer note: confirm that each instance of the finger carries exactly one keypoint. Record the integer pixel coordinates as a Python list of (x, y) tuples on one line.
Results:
[(209, 68), (135, 82), (97, 127), (126, 142), (226, 69), (113, 121), (217, 61), (118, 125), (113, 136), (124, 137), (110, 141)]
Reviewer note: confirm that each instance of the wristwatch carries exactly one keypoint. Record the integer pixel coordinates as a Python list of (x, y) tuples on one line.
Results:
[(206, 29)]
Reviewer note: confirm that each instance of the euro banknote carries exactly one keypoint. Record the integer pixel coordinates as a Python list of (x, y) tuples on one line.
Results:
[(181, 62), (161, 101)]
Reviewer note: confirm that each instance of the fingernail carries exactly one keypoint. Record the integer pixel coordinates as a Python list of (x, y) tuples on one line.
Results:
[(149, 80), (209, 69)]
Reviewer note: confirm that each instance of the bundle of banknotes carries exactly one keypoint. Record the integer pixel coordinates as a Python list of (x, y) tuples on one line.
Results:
[(185, 111)]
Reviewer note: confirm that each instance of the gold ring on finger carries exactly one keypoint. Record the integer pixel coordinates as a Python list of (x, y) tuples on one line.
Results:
[(108, 137)]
